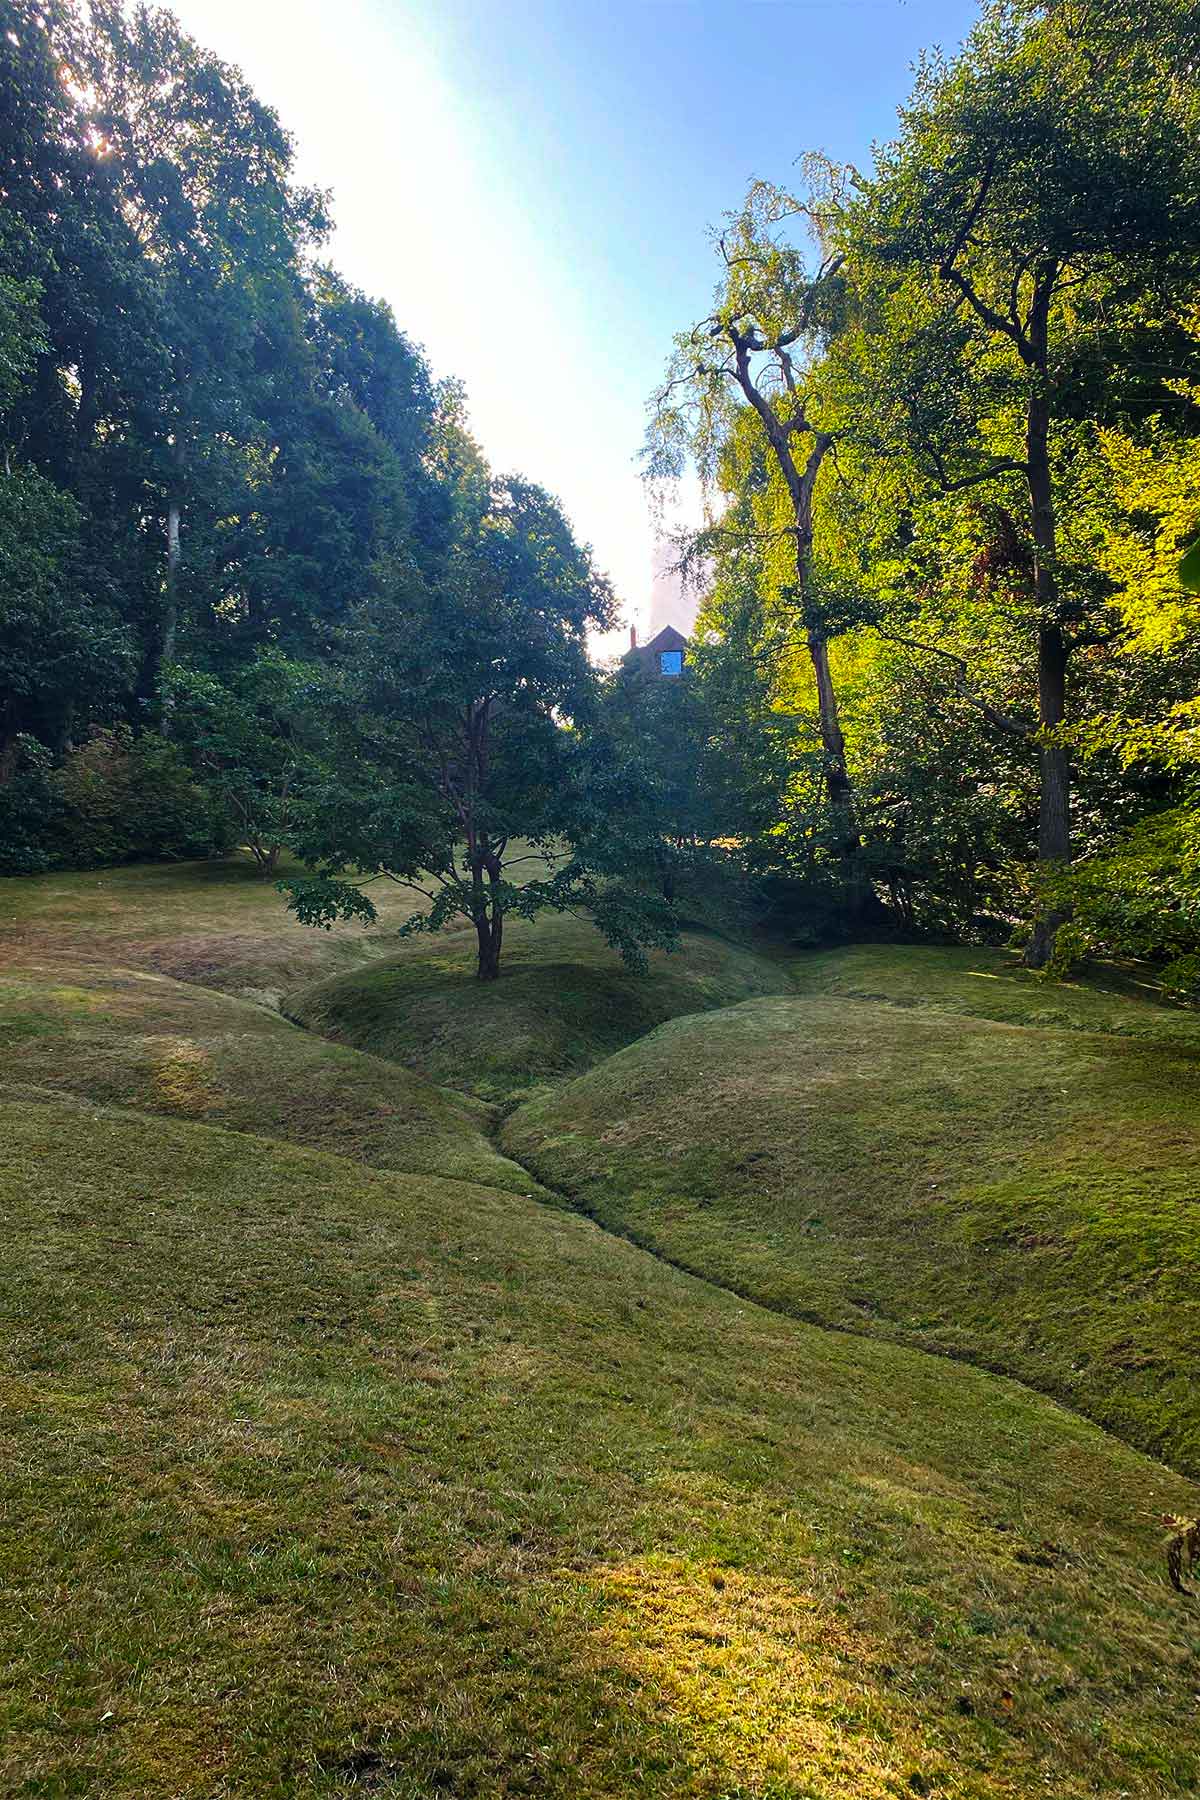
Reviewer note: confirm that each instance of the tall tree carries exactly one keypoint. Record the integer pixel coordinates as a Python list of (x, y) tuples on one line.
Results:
[(1038, 217), (201, 173), (759, 351), (453, 768)]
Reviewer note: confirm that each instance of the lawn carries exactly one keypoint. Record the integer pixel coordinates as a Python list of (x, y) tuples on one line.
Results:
[(564, 1002), (320, 1480), (1020, 1196), (991, 984), (334, 1464), (135, 1038), (220, 923)]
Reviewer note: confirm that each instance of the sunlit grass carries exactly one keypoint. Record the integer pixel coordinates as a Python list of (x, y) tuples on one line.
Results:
[(1024, 1198), (327, 1479)]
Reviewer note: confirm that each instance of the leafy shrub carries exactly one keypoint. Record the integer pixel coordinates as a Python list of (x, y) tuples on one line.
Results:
[(115, 799), (129, 799), (1141, 898)]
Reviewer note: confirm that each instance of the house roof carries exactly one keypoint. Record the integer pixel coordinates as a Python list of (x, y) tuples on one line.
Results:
[(648, 654), (668, 639)]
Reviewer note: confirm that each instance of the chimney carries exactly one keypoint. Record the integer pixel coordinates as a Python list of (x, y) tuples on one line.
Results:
[(633, 637)]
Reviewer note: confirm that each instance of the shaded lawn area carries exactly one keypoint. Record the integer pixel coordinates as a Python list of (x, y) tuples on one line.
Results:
[(563, 1002)]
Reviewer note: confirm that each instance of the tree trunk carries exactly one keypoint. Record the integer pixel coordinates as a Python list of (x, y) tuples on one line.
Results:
[(837, 781), (801, 485), (1054, 801), (487, 910), (1054, 804), (490, 933), (170, 621), (169, 630), (862, 902)]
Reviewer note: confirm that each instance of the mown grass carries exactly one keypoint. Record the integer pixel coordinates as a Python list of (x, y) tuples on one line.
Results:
[(325, 1481), (135, 1038), (322, 1479), (219, 923), (563, 1002), (1020, 1197), (991, 984)]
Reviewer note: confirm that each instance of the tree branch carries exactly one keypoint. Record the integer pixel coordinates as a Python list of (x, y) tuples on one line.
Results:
[(1001, 720)]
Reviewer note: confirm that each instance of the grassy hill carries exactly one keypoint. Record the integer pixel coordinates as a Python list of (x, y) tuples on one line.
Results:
[(1019, 1196), (991, 984), (321, 1478), (564, 1001), (134, 1038), (323, 1481)]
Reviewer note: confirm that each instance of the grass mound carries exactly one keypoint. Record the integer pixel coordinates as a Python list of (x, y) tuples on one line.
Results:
[(134, 1038), (320, 1481), (1022, 1198), (563, 1001), (991, 984)]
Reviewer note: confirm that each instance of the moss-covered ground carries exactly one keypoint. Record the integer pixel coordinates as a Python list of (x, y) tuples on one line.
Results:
[(327, 1479)]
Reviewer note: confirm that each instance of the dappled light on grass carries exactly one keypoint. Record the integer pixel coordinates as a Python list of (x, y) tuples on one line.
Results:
[(389, 1477), (768, 1692)]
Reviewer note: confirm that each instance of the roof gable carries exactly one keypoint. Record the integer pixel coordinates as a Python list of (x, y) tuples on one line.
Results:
[(667, 639)]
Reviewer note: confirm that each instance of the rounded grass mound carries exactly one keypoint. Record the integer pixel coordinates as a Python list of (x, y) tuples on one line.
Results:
[(991, 984), (1020, 1198), (134, 1038), (564, 1000), (319, 1481)]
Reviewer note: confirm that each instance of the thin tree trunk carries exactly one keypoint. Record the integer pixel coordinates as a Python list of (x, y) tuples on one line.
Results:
[(170, 622), (1054, 801)]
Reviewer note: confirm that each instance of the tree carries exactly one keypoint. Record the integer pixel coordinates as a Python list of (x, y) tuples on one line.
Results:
[(257, 742), (200, 172), (60, 653), (688, 775), (1038, 215), (759, 351), (454, 768)]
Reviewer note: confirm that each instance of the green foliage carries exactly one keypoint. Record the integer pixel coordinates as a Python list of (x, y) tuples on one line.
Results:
[(1189, 568), (451, 744), (127, 799), (256, 741)]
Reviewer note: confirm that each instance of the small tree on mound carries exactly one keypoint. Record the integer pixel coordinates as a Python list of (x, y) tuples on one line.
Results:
[(456, 773)]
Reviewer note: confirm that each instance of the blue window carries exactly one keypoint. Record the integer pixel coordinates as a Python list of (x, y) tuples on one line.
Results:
[(670, 662)]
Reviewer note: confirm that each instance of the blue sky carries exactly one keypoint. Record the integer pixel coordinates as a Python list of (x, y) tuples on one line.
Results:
[(530, 185)]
